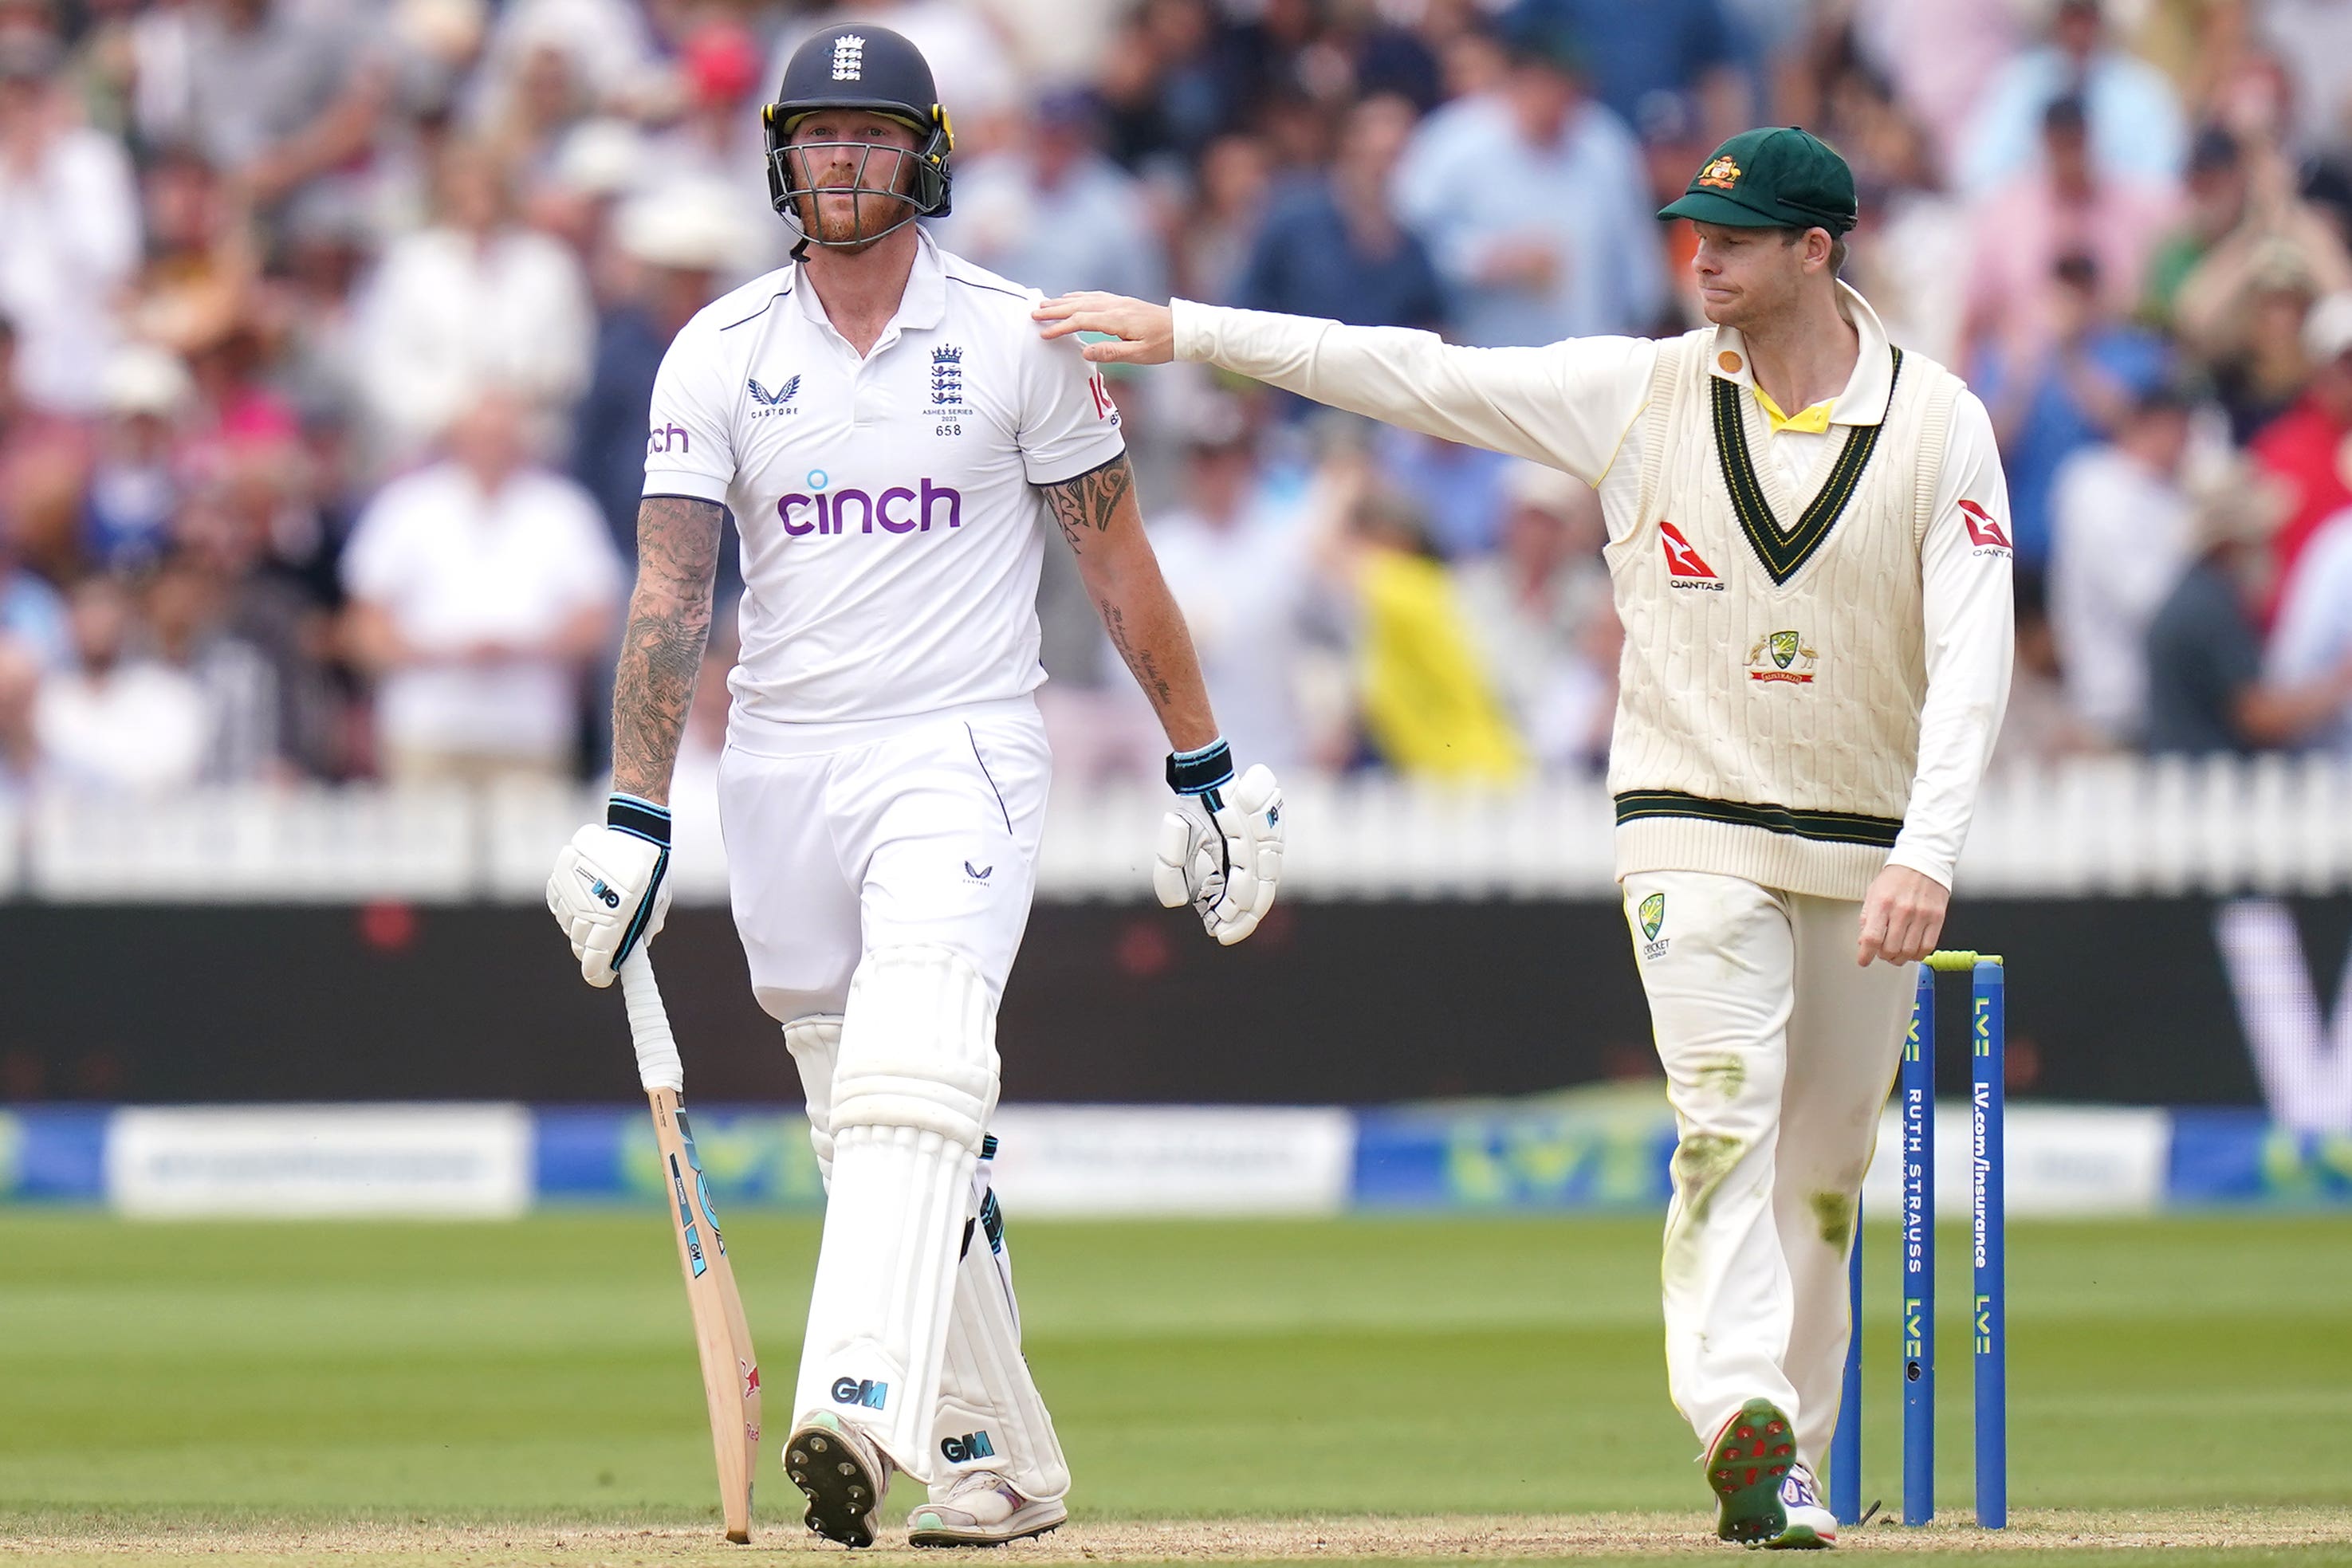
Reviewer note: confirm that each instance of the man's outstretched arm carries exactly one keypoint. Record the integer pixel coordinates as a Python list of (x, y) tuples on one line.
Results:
[(1566, 405)]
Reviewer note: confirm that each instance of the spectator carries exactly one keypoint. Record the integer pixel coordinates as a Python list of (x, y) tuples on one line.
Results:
[(1533, 203), (2206, 691), (1940, 55), (2312, 38), (481, 587), (188, 615), (718, 145), (1222, 222), (1331, 247), (1540, 611), (2121, 521), (2314, 628), (2061, 207), (33, 620), (112, 722), (134, 487), (1430, 706), (604, 43), (2257, 365), (473, 300), (1456, 490), (20, 692), (2135, 120), (44, 473), (2305, 445), (245, 592), (1637, 55), (677, 243), (2050, 398), (2040, 725), (1236, 557), (68, 230), (2271, 234), (273, 91), (1050, 212)]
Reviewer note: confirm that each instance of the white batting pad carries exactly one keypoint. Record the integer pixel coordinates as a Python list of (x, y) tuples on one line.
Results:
[(815, 1044), (913, 1086), (991, 1416)]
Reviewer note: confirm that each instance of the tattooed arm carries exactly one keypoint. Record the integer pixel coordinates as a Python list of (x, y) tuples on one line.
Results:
[(661, 653), (1099, 515)]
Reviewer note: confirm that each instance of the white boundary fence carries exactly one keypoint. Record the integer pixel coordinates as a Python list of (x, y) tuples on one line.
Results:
[(2276, 825)]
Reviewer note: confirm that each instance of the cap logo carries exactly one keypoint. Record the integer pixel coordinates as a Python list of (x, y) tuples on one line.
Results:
[(848, 57), (1722, 175)]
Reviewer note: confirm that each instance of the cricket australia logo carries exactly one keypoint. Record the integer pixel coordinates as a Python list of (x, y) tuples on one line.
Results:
[(768, 404), (1652, 913), (946, 376), (1782, 656), (848, 57)]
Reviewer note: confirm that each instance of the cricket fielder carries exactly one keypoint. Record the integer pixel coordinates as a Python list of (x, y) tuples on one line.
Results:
[(894, 442), (1817, 619)]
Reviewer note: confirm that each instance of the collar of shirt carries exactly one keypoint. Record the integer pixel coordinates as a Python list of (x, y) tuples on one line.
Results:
[(1864, 401), (922, 305)]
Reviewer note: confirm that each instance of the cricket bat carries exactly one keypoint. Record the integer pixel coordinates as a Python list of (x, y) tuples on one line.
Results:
[(730, 1372)]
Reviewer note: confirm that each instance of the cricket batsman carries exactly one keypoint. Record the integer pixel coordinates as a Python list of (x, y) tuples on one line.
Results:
[(895, 440), (1807, 540)]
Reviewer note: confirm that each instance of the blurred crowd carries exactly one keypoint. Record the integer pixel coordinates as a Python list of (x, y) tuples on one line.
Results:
[(327, 328)]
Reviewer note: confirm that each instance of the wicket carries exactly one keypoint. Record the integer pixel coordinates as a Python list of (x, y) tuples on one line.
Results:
[(1917, 1091)]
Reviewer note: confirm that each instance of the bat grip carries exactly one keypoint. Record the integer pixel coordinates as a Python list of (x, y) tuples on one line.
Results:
[(658, 1066)]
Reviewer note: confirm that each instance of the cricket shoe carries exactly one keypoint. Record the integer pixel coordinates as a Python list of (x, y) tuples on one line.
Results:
[(1809, 1525), (844, 1476), (983, 1509), (1746, 1464)]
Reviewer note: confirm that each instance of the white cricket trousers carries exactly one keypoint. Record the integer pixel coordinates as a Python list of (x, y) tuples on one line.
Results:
[(1780, 1051)]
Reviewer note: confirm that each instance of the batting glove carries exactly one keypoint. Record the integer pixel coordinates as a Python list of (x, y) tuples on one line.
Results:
[(1226, 862), (606, 891)]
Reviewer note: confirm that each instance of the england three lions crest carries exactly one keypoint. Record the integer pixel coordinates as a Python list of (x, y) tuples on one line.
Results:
[(946, 376)]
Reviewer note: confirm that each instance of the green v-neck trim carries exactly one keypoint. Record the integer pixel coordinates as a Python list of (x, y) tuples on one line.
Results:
[(1783, 552)]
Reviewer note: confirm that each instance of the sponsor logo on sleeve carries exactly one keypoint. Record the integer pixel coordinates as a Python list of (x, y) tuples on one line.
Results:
[(666, 438), (1986, 536), (1684, 566), (1100, 389)]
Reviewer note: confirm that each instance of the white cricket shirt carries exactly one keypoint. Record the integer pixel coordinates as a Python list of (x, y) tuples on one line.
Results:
[(892, 528)]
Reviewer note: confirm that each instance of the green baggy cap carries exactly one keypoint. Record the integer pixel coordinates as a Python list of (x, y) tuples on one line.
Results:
[(1777, 176)]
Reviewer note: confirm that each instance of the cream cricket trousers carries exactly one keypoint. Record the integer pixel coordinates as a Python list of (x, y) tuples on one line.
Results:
[(1779, 1052)]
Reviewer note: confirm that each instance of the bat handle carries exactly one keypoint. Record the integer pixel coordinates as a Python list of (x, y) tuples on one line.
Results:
[(658, 1066)]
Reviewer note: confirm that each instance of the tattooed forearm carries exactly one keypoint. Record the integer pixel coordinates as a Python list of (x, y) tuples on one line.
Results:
[(661, 653), (1141, 661), (1091, 501)]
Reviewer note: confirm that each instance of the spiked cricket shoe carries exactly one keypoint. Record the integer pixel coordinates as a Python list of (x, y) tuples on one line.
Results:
[(844, 1476), (1809, 1525), (982, 1508), (1745, 1466)]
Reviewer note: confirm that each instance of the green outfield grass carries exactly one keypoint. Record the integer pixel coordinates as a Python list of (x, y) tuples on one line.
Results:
[(256, 1375)]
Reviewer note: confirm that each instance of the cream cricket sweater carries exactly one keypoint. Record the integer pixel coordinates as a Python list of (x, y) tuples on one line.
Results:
[(1818, 625)]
